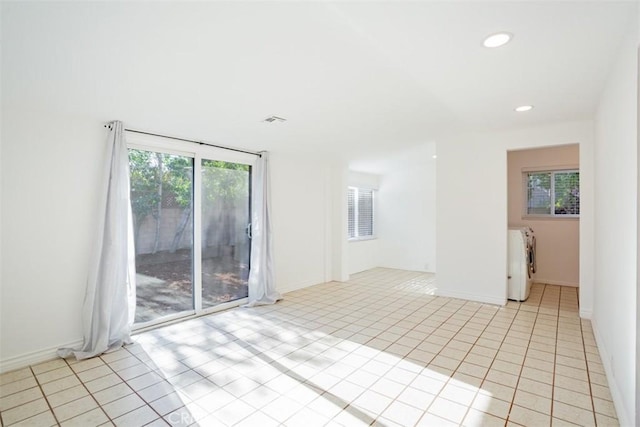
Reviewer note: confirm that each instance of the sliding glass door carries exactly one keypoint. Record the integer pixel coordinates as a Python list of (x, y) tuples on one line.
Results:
[(161, 203), (191, 229), (225, 231)]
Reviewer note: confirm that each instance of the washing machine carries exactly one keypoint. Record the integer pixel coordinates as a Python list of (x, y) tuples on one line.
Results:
[(522, 262)]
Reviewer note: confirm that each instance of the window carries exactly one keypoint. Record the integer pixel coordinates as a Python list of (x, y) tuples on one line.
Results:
[(553, 193), (360, 207)]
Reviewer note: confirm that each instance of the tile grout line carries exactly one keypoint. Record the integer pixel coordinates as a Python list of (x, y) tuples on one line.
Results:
[(118, 375), (127, 383), (527, 351), (55, 417), (555, 356), (468, 352), (491, 364), (447, 323), (88, 391), (586, 362)]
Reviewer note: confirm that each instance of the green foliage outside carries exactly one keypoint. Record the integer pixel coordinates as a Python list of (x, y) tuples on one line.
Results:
[(567, 192), (222, 181), (157, 179), (566, 189)]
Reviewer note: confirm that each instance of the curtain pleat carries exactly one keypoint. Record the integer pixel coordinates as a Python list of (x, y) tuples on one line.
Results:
[(109, 306), (262, 287)]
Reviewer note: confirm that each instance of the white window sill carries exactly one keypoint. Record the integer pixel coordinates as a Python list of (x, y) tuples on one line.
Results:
[(550, 217), (361, 239)]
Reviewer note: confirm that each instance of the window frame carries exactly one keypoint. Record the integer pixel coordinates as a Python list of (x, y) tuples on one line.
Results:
[(373, 235), (525, 192)]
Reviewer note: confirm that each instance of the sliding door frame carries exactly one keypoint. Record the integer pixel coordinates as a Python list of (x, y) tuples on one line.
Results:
[(197, 153)]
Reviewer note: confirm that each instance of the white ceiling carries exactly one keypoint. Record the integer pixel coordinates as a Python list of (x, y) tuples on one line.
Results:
[(360, 79)]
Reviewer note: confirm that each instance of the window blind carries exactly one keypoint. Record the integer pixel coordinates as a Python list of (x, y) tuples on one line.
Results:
[(351, 202), (360, 204), (553, 193)]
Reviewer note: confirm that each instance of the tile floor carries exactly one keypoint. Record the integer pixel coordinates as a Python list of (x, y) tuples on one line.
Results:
[(378, 350)]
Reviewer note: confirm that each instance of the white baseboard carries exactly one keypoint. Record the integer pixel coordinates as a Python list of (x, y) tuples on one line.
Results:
[(300, 285), (33, 358), (625, 417), (586, 314), (555, 282), (472, 297)]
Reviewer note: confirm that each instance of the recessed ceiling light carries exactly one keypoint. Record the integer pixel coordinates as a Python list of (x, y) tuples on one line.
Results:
[(435, 156), (523, 108), (497, 40)]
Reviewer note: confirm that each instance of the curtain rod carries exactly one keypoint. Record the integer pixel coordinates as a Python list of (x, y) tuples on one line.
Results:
[(255, 153)]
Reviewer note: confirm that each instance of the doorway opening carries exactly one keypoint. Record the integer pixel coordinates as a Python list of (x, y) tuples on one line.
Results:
[(544, 201)]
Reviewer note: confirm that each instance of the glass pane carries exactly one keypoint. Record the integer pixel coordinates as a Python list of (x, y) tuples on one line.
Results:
[(365, 212), (225, 240), (539, 193), (161, 202), (567, 193)]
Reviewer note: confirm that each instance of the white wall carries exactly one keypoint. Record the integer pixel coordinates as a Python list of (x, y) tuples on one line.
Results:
[(52, 158), (557, 239), (302, 201), (471, 213), (1, 220), (638, 232), (616, 191), (407, 211), (363, 254), (638, 239), (54, 164), (48, 225)]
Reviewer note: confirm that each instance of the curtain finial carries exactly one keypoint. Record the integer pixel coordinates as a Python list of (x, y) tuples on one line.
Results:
[(110, 125)]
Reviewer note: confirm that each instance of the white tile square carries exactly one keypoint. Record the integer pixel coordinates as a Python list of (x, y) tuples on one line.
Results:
[(98, 383), (448, 410), (123, 405), (93, 417), (20, 398), (12, 376), (17, 386), (156, 391), (260, 396), (416, 398), (402, 413), (112, 393), (216, 399), (137, 417), (371, 402), (533, 401), (306, 417), (22, 412), (461, 395), (573, 414), (75, 408), (281, 408), (388, 388), (168, 403), (67, 395), (475, 418), (234, 412), (49, 366)]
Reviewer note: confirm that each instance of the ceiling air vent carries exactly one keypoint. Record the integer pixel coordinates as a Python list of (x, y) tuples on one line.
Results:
[(272, 119)]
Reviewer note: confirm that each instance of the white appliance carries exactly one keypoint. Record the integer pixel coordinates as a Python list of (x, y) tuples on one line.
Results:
[(522, 263)]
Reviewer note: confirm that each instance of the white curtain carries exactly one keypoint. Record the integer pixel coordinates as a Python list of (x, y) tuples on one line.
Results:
[(109, 305), (262, 287)]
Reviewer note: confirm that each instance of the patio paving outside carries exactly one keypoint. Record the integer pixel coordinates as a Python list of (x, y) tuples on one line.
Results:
[(164, 283)]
